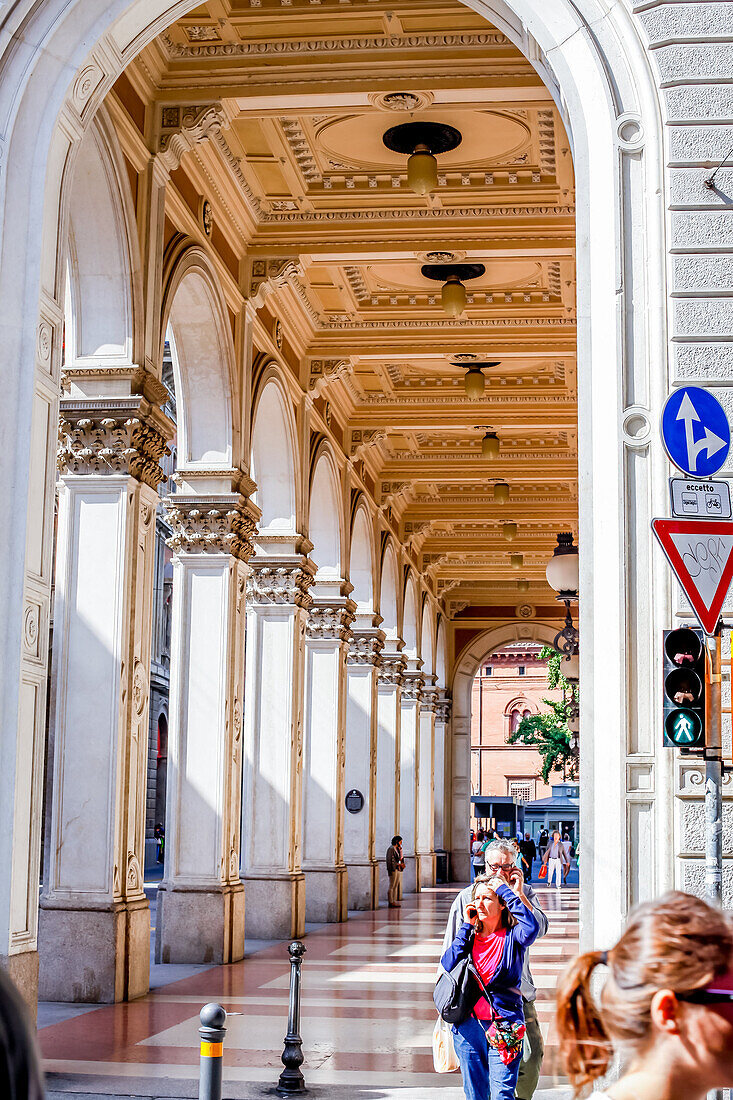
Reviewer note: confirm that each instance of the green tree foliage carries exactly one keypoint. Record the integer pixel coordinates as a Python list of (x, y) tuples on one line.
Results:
[(549, 732)]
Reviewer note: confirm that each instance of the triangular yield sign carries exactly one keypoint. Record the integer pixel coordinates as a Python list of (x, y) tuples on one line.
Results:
[(701, 555)]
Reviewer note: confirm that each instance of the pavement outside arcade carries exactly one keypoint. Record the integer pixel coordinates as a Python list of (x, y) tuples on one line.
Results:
[(367, 1014)]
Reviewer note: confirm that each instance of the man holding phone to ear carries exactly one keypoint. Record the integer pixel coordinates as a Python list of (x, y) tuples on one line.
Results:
[(500, 862)]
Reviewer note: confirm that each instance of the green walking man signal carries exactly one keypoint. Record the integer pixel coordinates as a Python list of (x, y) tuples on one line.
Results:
[(684, 690)]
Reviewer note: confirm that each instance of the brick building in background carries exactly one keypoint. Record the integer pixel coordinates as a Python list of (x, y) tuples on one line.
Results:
[(508, 685)]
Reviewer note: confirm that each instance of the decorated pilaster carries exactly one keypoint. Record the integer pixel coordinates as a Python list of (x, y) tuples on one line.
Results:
[(278, 603), (441, 769), (327, 638), (360, 851), (409, 750), (425, 846), (200, 915), (389, 688), (93, 894)]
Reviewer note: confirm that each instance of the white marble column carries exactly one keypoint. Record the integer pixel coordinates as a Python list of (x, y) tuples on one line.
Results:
[(277, 608), (441, 775), (327, 637), (94, 923), (389, 681), (425, 846), (409, 750), (360, 852), (200, 916)]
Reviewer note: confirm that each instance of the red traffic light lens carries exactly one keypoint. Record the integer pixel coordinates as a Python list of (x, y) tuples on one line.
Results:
[(683, 687), (683, 647)]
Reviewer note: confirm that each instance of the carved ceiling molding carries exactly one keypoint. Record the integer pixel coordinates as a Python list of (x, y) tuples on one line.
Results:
[(528, 210), (301, 149), (184, 127), (330, 46), (324, 372), (363, 441)]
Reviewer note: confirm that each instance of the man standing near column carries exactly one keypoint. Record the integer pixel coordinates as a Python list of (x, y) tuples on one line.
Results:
[(500, 861), (395, 867)]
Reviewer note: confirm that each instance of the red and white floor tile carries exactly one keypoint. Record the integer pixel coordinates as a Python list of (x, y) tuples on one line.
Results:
[(367, 1014)]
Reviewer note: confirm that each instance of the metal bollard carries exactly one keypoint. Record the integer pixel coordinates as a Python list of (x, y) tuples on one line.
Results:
[(291, 1079), (212, 1032)]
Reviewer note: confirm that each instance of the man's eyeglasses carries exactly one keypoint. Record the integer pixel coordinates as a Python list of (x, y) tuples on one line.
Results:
[(497, 868), (707, 996)]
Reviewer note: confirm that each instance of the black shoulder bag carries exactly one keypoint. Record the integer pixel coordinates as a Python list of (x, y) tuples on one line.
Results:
[(457, 990)]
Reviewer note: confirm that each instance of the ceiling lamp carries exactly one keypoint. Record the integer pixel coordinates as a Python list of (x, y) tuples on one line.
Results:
[(562, 569), (474, 384), (517, 560), (501, 492), (523, 585), (509, 531), (453, 276), (419, 141), (490, 445)]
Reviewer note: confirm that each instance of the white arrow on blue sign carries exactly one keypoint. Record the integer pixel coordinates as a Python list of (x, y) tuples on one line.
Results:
[(695, 431)]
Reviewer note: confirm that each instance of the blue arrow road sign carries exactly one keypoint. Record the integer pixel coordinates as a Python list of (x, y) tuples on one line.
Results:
[(695, 431)]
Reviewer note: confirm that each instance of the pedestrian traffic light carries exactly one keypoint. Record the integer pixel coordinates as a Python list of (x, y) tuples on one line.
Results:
[(684, 690)]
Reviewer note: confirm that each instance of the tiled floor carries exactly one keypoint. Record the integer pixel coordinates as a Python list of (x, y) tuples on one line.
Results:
[(367, 1014)]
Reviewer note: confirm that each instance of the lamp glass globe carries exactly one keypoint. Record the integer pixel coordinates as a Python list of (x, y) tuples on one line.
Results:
[(474, 383), (453, 296), (517, 560), (422, 172), (490, 445), (501, 492), (509, 530), (563, 572), (523, 585), (570, 667)]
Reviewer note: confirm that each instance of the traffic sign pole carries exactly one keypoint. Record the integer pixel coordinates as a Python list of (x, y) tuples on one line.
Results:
[(713, 774)]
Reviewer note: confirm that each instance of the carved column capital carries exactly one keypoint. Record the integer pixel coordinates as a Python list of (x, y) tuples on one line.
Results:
[(391, 668), (366, 647), (330, 620), (113, 435), (212, 524), (184, 126), (443, 706), (280, 580), (412, 685)]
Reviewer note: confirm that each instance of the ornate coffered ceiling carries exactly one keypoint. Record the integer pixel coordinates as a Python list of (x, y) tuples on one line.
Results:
[(331, 238)]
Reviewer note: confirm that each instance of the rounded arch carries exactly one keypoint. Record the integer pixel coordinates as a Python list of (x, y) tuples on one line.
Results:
[(361, 561), (325, 529), (520, 704), (427, 639), (410, 622), (388, 601), (196, 323), (103, 314), (474, 654), (274, 457)]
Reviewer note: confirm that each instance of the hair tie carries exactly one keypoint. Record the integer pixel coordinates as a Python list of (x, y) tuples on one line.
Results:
[(604, 958)]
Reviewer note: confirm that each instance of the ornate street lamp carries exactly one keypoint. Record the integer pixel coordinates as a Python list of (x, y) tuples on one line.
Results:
[(563, 575)]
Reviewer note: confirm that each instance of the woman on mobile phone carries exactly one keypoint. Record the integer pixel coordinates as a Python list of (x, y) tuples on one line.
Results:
[(496, 934), (667, 1005)]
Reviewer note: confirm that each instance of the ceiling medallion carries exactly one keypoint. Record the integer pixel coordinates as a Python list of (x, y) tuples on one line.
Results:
[(465, 357), (441, 257), (401, 101), (419, 142), (452, 276)]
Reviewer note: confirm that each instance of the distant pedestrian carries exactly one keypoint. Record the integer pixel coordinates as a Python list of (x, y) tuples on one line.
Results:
[(555, 857), (395, 867), (20, 1072), (159, 833), (543, 842), (667, 1005), (528, 848), (568, 846), (478, 857)]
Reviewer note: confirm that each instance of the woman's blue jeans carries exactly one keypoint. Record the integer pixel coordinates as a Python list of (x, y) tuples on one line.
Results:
[(485, 1077)]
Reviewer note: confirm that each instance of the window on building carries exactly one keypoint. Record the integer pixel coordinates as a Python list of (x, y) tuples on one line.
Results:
[(488, 670), (521, 789), (521, 670)]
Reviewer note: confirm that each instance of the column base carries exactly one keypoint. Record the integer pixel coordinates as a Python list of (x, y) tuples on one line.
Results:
[(199, 925), (460, 866), (326, 895), (363, 885), (409, 876), (23, 971), (426, 869), (275, 908), (96, 956)]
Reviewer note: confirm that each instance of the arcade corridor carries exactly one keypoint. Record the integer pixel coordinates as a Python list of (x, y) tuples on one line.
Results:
[(367, 1014)]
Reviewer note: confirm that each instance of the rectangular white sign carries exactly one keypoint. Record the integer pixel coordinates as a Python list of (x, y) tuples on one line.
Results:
[(700, 499)]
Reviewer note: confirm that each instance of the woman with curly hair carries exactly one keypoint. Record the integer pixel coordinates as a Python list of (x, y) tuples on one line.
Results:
[(666, 1008)]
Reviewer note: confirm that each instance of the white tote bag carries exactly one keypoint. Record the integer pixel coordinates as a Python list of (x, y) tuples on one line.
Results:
[(444, 1054)]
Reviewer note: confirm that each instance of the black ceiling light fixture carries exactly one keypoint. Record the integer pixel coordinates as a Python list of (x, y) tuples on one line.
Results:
[(474, 384), (420, 141), (453, 276)]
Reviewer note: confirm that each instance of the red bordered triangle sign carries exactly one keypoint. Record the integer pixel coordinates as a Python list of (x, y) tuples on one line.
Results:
[(701, 555)]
